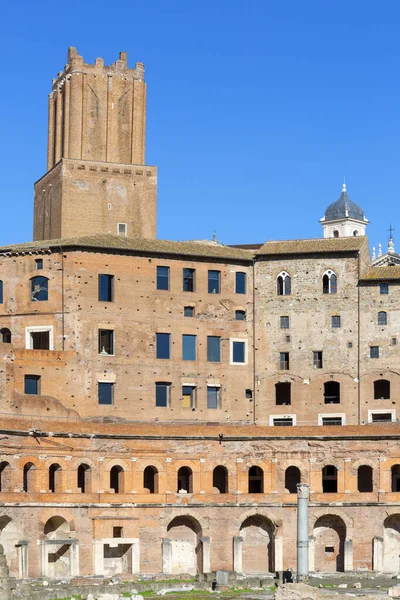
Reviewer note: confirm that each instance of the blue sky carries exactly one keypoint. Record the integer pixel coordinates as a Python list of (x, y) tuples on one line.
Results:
[(256, 109)]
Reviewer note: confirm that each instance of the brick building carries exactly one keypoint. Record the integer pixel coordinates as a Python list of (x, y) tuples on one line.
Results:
[(161, 400)]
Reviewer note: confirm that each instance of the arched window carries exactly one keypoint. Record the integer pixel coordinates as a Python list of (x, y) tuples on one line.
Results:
[(55, 478), (355, 233), (150, 479), (5, 336), (335, 233), (364, 479), (396, 478), (283, 284), (329, 479), (28, 477), (329, 282), (381, 389), (256, 480), (84, 478), (292, 478), (220, 479), (282, 393), (39, 289), (382, 317), (331, 392), (5, 476), (117, 479), (185, 480)]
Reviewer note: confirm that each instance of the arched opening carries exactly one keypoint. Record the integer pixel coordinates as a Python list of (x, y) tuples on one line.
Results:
[(39, 289), (257, 548), (330, 535), (292, 478), (381, 389), (335, 233), (55, 478), (331, 392), (283, 284), (117, 479), (5, 476), (84, 474), (28, 477), (185, 534), (58, 553), (5, 335), (185, 480), (283, 393), (391, 544), (329, 282), (9, 533), (364, 478), (329, 479), (220, 480), (395, 478), (256, 480), (150, 479)]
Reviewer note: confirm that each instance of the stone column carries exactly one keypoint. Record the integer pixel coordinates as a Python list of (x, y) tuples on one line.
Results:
[(206, 546), (74, 559), (348, 555), (237, 554), (303, 492), (22, 549), (311, 553), (98, 557), (278, 543), (43, 558), (136, 557), (166, 550), (377, 555)]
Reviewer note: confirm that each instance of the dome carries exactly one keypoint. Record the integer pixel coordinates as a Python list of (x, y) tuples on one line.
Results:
[(344, 208)]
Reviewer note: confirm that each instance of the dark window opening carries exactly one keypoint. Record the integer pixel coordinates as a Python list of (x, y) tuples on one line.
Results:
[(188, 311), (40, 340), (374, 351), (55, 478), (329, 549), (326, 421), (163, 341), (384, 288), (292, 478), (39, 289), (284, 321), (395, 473), (5, 336), (213, 348), (162, 394), (106, 341), (283, 422), (382, 317), (220, 479), (32, 384), (189, 280), (163, 278), (150, 479), (188, 396), (240, 286), (240, 315), (1, 292), (256, 480), (249, 394), (185, 480), (105, 392), (117, 532), (381, 389), (28, 477), (283, 393), (283, 285), (106, 288), (329, 479), (214, 282), (284, 361), (335, 321), (317, 359), (381, 417), (117, 479), (238, 352), (364, 479), (332, 392), (329, 283), (83, 478), (39, 264)]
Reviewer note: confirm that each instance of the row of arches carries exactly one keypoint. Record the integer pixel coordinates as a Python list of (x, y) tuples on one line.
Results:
[(284, 283)]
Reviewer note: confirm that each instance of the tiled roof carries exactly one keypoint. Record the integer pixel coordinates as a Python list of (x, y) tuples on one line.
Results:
[(110, 242), (316, 245), (381, 273)]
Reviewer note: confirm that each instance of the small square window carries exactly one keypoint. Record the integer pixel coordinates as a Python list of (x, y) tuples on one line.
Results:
[(336, 321), (163, 342), (188, 311), (329, 549), (349, 344), (284, 361), (122, 229), (163, 392), (393, 341), (287, 337), (106, 288), (188, 347), (105, 392), (238, 352), (117, 532), (39, 263), (188, 396), (240, 282), (284, 322), (240, 315), (32, 385), (374, 351), (214, 282), (189, 280), (249, 394), (106, 341), (384, 288), (317, 359), (163, 278), (213, 396)]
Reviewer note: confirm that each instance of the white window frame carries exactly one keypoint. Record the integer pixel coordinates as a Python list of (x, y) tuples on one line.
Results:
[(329, 273), (246, 358), (285, 274), (215, 385), (378, 411), (98, 336), (126, 230), (337, 415), (272, 417), (39, 329)]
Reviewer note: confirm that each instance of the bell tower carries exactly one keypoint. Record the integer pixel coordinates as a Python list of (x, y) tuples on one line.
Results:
[(96, 181)]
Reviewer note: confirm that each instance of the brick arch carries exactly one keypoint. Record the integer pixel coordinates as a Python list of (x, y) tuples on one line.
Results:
[(364, 461), (331, 511), (258, 512), (149, 462), (29, 459), (336, 462), (265, 466), (83, 461), (195, 466), (223, 462), (293, 463), (203, 521), (56, 460), (49, 513), (116, 462)]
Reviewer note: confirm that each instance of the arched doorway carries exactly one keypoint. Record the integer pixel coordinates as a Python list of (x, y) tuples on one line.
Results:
[(185, 536), (330, 536), (58, 555), (292, 478), (257, 549), (391, 544)]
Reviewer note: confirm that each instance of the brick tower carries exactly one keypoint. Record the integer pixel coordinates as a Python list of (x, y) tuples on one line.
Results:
[(96, 180)]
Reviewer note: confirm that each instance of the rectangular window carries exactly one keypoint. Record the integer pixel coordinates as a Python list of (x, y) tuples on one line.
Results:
[(213, 396), (188, 396), (122, 229), (163, 278), (317, 360), (238, 352), (163, 341), (117, 532), (32, 384), (105, 392), (106, 341), (106, 288), (284, 361), (240, 315), (393, 341), (331, 420), (188, 347), (336, 321), (40, 340), (163, 391), (213, 348), (214, 279), (374, 351), (283, 422), (384, 288), (188, 311), (39, 263), (284, 322), (189, 280), (288, 339), (349, 344), (381, 417), (240, 287)]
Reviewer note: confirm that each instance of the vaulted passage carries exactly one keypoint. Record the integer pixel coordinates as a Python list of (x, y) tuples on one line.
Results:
[(391, 544), (58, 553), (330, 535), (257, 554), (185, 535)]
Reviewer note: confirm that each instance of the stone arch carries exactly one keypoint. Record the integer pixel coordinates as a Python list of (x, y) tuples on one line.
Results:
[(116, 462), (58, 560), (330, 461), (329, 532), (184, 533), (28, 476), (56, 527), (283, 466), (391, 543), (348, 521), (257, 532), (63, 514), (150, 479), (363, 461), (150, 462), (8, 536)]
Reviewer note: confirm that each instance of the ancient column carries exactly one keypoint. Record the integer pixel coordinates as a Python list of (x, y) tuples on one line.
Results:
[(303, 492), (237, 554)]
